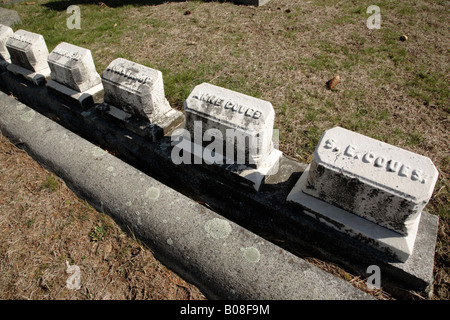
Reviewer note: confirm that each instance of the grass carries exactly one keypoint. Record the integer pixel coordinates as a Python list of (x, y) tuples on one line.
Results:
[(284, 52), (51, 183), (98, 233)]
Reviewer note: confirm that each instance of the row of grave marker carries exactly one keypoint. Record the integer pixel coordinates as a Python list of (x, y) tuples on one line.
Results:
[(369, 188)]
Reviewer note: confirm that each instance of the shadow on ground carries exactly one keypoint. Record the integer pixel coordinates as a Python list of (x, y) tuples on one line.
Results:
[(62, 5)]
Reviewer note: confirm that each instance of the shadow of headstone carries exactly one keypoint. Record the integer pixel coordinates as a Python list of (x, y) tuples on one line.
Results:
[(62, 5)]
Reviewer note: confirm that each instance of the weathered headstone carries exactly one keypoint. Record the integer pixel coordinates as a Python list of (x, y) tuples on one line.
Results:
[(5, 33), (379, 190), (73, 75), (240, 126), (28, 52), (134, 95), (384, 184)]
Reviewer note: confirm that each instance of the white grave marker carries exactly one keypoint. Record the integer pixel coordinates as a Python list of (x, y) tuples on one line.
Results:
[(73, 74), (133, 91), (5, 34), (377, 188), (242, 122), (28, 52)]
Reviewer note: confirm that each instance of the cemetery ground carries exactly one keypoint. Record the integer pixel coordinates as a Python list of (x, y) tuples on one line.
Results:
[(43, 225), (284, 52)]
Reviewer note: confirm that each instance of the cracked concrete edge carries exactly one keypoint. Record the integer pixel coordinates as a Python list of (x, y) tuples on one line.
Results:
[(221, 258)]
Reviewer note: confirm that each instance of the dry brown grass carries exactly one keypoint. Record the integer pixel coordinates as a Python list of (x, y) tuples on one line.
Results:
[(284, 52), (43, 225)]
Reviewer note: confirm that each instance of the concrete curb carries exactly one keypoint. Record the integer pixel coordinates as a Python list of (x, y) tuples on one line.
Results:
[(223, 259)]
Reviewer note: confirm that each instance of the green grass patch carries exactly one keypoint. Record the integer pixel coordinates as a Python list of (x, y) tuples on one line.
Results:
[(431, 88), (98, 233), (51, 183), (415, 138)]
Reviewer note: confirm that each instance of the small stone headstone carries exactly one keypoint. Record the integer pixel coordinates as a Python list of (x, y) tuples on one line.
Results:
[(134, 94), (135, 89), (73, 74), (28, 52), (377, 181), (243, 123), (5, 33), (218, 108), (383, 184)]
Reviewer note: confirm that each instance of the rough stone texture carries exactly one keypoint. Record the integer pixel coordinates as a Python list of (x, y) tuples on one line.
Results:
[(73, 67), (248, 118), (232, 131), (84, 99), (135, 89), (28, 50), (5, 33), (73, 75), (381, 238), (222, 258), (134, 98), (377, 181), (9, 17), (421, 262)]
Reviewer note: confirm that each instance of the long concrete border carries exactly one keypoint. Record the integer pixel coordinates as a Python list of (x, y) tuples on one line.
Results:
[(222, 258)]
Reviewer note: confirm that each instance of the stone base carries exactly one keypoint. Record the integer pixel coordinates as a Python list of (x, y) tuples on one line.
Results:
[(84, 99), (256, 176), (37, 78), (379, 237), (243, 174), (4, 65), (152, 131), (170, 120)]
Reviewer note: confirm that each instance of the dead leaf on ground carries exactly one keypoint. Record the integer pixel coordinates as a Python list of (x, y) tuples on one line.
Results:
[(333, 82)]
